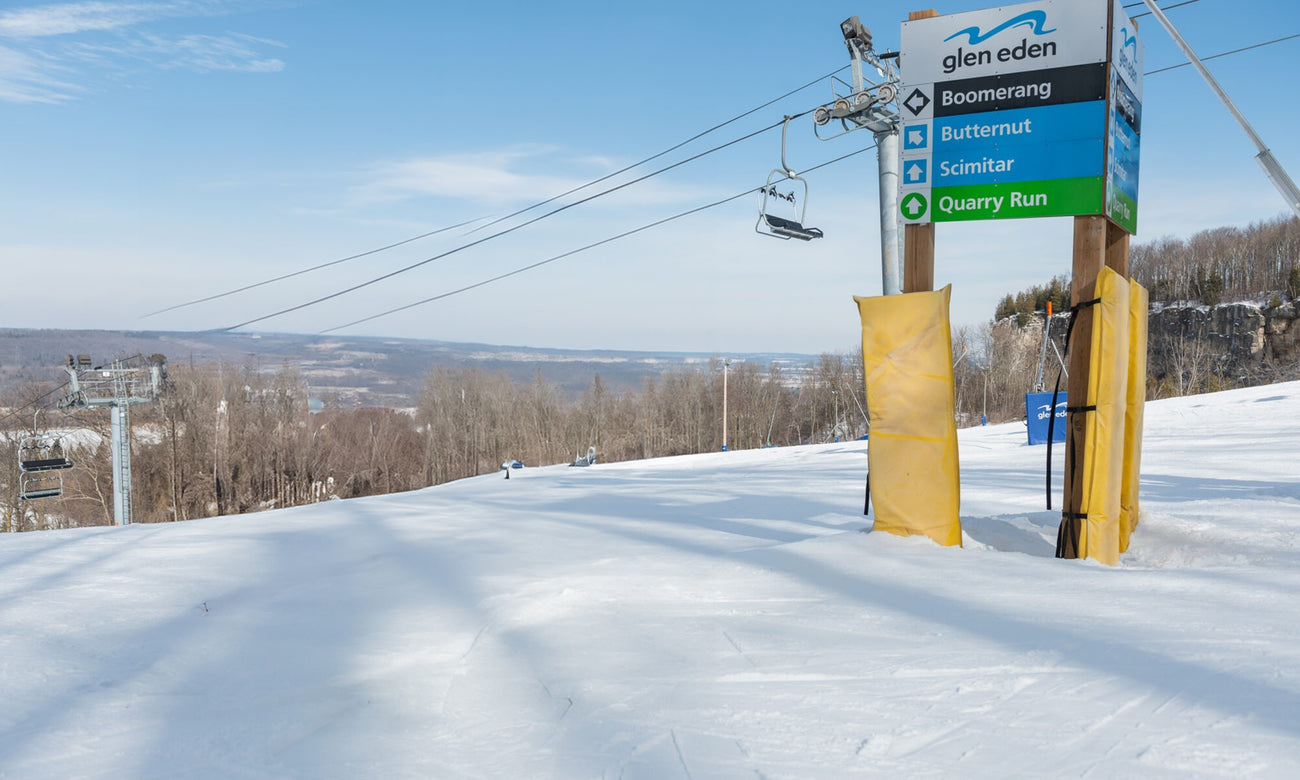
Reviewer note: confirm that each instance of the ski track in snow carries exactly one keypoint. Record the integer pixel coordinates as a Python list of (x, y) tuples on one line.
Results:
[(711, 616)]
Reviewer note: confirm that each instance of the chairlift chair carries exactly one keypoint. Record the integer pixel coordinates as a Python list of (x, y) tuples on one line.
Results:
[(785, 228), (586, 460), (41, 460), (42, 453), (36, 485)]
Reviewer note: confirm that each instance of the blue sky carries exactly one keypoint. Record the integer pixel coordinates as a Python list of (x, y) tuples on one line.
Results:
[(161, 151)]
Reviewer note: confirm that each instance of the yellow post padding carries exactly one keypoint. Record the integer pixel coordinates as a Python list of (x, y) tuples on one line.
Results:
[(1133, 411), (1103, 454), (912, 455)]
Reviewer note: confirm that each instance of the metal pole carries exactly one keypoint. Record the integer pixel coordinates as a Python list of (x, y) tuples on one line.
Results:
[(888, 163), (1042, 356), (835, 432), (887, 158), (1265, 158), (725, 363), (119, 433), (984, 411)]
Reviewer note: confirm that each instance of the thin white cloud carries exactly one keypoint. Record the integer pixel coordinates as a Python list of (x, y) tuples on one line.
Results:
[(199, 53), (24, 79), (485, 177), (52, 47), (505, 176), (207, 53), (71, 18)]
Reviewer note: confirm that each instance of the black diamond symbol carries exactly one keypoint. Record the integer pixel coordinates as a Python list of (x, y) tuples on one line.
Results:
[(916, 102)]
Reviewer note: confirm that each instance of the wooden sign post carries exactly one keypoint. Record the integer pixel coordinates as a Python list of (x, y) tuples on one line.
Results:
[(918, 240), (964, 84), (1098, 243)]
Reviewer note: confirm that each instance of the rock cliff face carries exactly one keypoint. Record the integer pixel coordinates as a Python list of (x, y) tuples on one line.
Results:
[(1239, 341)]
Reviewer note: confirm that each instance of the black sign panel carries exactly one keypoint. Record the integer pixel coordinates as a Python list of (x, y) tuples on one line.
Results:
[(1051, 87)]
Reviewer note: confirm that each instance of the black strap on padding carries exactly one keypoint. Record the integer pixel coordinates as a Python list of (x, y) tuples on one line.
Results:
[(1051, 426), (1083, 305), (866, 507), (1056, 391), (1074, 315)]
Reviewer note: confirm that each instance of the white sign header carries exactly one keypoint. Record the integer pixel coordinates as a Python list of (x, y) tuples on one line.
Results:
[(1010, 39), (1127, 52)]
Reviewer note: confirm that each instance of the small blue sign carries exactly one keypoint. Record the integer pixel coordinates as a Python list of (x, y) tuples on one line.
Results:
[(916, 137), (916, 171), (1038, 414)]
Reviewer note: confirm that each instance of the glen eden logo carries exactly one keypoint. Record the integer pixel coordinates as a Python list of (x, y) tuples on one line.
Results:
[(1126, 57), (1044, 411), (1036, 20), (1130, 41)]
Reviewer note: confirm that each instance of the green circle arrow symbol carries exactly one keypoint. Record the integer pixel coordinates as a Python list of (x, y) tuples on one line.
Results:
[(914, 205)]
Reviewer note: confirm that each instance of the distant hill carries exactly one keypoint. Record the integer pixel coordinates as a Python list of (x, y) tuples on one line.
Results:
[(355, 370)]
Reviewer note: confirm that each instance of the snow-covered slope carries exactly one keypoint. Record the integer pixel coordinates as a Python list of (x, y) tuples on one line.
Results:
[(715, 616)]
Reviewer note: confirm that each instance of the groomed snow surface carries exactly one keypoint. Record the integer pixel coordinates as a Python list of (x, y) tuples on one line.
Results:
[(713, 616)]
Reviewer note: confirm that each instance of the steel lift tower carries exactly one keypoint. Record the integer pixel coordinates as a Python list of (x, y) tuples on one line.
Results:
[(872, 105), (118, 385)]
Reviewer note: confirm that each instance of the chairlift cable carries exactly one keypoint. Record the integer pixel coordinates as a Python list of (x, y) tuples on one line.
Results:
[(670, 149), (31, 405), (1162, 8), (500, 233), (281, 278), (1224, 54), (539, 204), (572, 252)]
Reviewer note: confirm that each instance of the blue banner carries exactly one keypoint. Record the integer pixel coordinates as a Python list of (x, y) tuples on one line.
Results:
[(1125, 140), (1038, 414)]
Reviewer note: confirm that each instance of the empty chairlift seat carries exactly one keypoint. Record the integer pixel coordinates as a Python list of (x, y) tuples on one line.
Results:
[(794, 202), (41, 460), (41, 453), (788, 228)]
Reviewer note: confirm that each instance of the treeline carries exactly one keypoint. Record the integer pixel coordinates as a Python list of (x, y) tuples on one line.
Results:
[(1025, 303), (1211, 267), (1222, 264), (224, 440), (1261, 261)]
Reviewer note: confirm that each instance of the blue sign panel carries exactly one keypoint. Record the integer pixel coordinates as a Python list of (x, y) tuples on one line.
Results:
[(1025, 144), (1077, 159), (1021, 126), (1038, 413), (1123, 148)]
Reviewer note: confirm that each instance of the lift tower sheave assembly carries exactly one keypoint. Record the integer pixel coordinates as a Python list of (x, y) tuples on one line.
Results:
[(118, 385), (872, 105)]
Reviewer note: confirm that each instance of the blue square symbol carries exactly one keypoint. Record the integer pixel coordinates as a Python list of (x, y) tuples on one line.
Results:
[(916, 137), (916, 172)]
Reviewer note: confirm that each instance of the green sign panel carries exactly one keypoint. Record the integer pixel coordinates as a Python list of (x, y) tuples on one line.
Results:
[(1014, 200), (1123, 209)]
